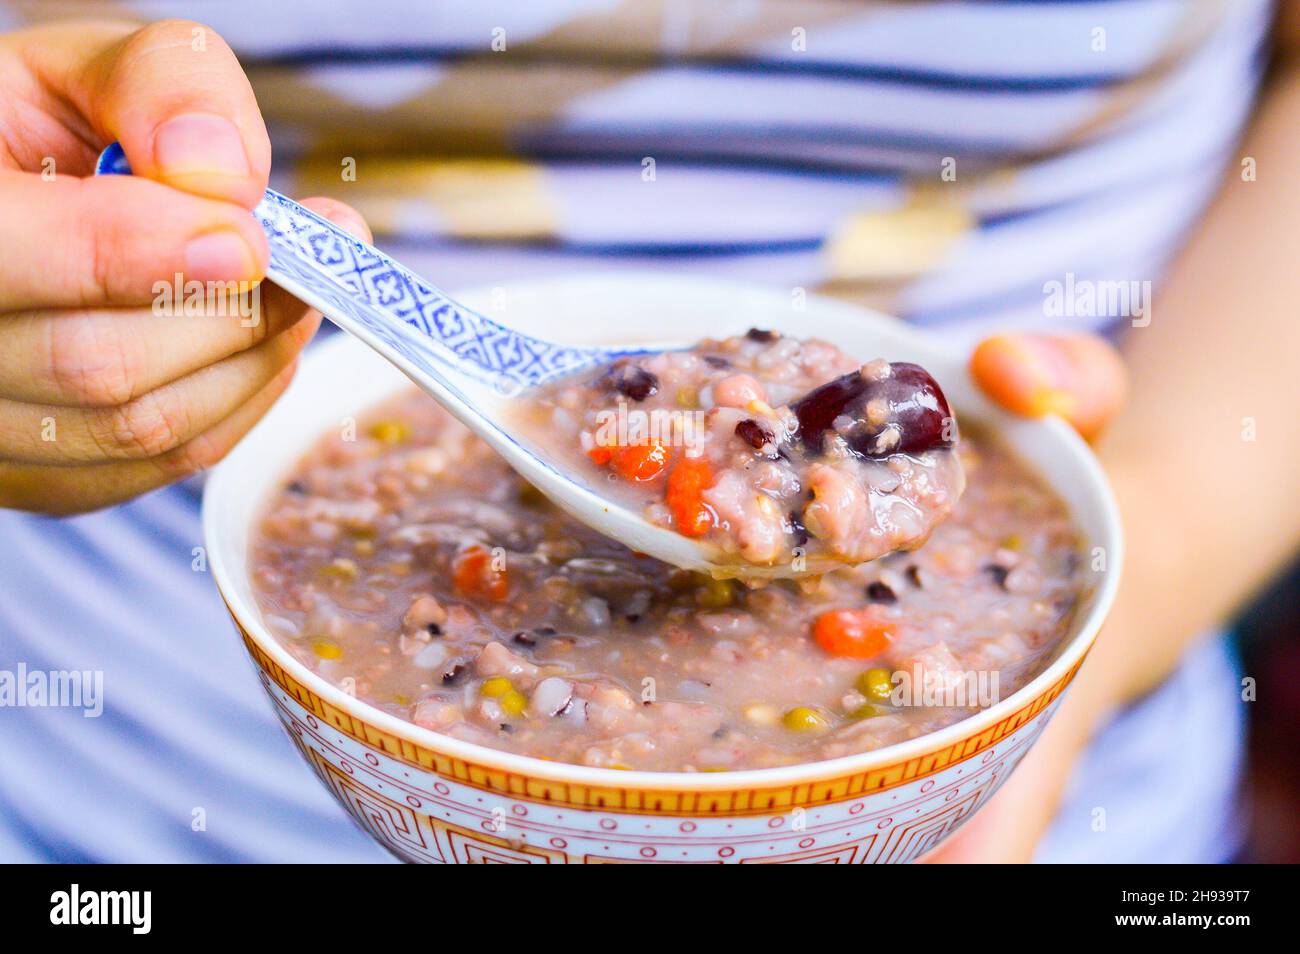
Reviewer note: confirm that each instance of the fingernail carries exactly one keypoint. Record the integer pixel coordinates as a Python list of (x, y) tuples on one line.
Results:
[(1049, 371), (200, 142), (1020, 374), (219, 256), (1054, 401)]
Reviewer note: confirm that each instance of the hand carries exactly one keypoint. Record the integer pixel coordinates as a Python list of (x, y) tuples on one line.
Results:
[(103, 394), (1082, 378)]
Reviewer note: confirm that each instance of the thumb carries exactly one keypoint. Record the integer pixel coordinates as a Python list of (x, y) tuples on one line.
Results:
[(1080, 377), (172, 93)]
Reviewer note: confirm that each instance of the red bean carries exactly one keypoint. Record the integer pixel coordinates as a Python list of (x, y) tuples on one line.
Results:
[(917, 417)]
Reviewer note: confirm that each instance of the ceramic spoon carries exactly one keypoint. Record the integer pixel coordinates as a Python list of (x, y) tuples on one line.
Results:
[(474, 367)]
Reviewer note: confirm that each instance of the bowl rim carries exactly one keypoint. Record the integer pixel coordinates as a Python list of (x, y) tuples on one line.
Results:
[(1060, 670)]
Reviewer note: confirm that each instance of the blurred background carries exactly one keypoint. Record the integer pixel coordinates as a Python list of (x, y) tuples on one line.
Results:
[(1269, 636)]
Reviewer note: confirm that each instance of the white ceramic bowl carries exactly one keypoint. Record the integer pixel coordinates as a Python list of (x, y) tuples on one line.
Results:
[(427, 797)]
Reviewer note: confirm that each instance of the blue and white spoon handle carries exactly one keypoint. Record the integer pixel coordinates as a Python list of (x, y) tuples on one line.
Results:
[(392, 309)]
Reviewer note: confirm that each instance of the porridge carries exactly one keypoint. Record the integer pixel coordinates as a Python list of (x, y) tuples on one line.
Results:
[(413, 568)]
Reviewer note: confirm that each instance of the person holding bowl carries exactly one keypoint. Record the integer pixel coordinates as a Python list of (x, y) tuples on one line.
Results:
[(107, 411)]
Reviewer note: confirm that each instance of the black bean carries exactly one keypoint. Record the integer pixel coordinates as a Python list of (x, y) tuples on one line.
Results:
[(433, 629), (754, 433), (797, 528), (913, 574), (451, 675), (525, 639), (507, 728), (761, 334), (879, 592), (296, 487), (999, 574), (716, 361), (630, 380)]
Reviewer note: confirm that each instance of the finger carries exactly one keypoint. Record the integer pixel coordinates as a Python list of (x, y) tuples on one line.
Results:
[(110, 240), (109, 357), (1079, 377), (172, 93), (153, 423), (341, 214), (66, 490)]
